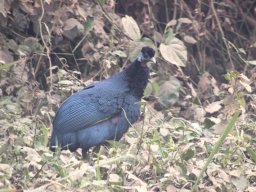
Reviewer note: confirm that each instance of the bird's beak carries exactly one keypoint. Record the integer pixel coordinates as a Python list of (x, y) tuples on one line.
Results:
[(153, 59), (150, 62)]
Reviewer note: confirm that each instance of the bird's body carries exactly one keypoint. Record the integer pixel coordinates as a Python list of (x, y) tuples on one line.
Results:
[(103, 111)]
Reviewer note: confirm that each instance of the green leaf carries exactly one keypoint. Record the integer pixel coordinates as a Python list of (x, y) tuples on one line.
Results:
[(188, 154), (183, 168), (151, 89), (131, 28), (174, 52), (232, 75), (101, 2), (168, 35), (155, 86), (88, 24), (252, 154), (45, 132), (8, 65), (168, 92), (192, 176), (119, 53), (65, 82)]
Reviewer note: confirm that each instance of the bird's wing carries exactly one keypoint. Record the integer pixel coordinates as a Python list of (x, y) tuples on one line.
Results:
[(111, 129), (87, 108)]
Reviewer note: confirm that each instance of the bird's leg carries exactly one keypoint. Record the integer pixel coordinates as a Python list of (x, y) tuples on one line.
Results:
[(96, 149), (85, 153)]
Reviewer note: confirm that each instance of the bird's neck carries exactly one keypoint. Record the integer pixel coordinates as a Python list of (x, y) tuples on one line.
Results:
[(138, 75)]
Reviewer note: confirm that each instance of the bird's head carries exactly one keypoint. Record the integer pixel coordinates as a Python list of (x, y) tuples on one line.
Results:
[(147, 55)]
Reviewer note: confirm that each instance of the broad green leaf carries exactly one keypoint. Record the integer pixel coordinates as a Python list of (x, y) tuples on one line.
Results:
[(175, 52), (232, 75), (169, 34), (188, 154), (168, 92), (151, 89), (131, 28)]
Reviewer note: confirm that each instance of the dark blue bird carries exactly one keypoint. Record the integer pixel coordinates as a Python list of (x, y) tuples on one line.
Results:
[(103, 111)]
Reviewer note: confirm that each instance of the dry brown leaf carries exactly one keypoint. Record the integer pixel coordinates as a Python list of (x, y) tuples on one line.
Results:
[(72, 28), (214, 120), (76, 174), (216, 90), (31, 154), (199, 114), (5, 57), (245, 82), (171, 188), (164, 132), (213, 107), (48, 1), (189, 39), (4, 8), (142, 186), (27, 7), (204, 82), (250, 189), (5, 169), (231, 105), (217, 176), (171, 23), (240, 182), (218, 128), (193, 92), (185, 20), (114, 178), (235, 173), (207, 86)]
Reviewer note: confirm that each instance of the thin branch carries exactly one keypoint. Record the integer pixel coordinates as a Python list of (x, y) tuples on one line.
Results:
[(221, 31), (48, 50)]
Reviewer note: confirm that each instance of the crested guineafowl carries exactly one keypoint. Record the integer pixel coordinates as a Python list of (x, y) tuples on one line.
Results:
[(103, 111)]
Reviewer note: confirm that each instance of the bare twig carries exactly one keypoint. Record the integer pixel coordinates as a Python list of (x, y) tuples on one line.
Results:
[(221, 31), (48, 49)]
